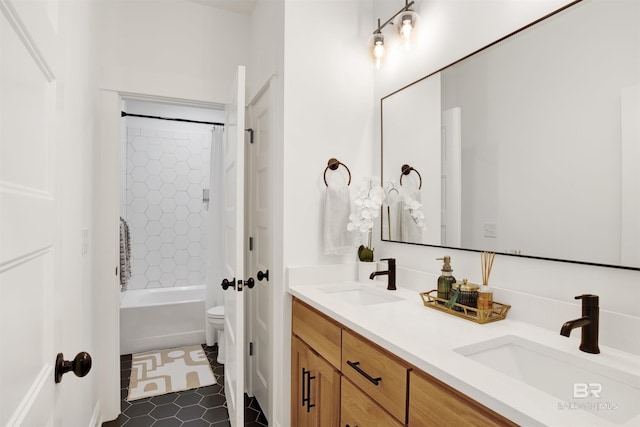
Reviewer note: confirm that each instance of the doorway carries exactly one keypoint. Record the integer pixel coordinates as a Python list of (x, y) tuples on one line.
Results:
[(109, 184), (165, 216)]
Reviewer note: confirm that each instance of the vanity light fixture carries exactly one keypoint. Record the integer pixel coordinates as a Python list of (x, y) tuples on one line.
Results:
[(405, 20), (377, 40)]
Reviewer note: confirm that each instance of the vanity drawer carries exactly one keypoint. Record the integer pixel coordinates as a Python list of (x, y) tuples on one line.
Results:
[(359, 410), (433, 403), (318, 331), (379, 374)]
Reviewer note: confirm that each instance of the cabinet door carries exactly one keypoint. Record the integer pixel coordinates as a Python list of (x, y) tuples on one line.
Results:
[(300, 365), (434, 404), (358, 410), (315, 388)]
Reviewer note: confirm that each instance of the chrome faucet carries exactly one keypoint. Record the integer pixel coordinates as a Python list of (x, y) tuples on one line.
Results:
[(390, 273), (588, 322)]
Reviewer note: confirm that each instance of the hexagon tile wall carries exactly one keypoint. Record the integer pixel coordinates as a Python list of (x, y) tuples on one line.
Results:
[(166, 173)]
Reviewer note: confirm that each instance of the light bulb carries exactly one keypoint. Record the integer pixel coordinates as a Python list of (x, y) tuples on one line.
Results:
[(407, 27), (378, 48)]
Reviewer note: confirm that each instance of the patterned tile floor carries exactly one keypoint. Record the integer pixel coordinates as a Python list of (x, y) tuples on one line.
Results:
[(204, 406)]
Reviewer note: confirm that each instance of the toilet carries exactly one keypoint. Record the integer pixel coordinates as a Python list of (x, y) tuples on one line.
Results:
[(215, 319)]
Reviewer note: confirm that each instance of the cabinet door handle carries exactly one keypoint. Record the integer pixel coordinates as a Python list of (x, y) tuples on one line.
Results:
[(309, 404), (354, 365), (304, 384)]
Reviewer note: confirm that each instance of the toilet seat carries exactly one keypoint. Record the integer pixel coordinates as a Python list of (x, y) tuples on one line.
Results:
[(217, 311)]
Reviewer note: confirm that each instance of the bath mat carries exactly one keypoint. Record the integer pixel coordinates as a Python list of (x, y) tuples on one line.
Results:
[(165, 371)]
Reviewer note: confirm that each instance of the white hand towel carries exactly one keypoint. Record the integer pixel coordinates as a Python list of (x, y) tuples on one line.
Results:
[(409, 229), (337, 208)]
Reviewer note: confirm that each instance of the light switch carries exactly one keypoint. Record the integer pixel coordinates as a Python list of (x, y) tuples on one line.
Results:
[(490, 229)]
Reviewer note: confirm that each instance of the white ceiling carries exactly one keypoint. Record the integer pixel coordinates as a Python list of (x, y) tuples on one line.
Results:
[(244, 7)]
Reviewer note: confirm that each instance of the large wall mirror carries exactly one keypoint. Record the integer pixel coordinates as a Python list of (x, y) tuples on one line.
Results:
[(530, 146)]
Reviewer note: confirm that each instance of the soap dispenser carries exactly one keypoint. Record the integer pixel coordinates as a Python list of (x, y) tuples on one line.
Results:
[(446, 279)]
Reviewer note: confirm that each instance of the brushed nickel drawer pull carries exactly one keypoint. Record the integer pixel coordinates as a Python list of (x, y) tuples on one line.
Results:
[(354, 365)]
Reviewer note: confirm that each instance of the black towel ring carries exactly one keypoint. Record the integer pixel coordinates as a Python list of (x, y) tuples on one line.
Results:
[(406, 170), (334, 164)]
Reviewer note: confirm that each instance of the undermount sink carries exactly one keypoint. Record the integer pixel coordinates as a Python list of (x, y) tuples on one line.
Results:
[(358, 294), (579, 384)]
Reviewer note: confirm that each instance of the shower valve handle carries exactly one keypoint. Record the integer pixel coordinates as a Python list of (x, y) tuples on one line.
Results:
[(226, 284)]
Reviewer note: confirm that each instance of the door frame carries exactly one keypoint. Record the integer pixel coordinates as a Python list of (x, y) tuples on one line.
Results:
[(105, 238)]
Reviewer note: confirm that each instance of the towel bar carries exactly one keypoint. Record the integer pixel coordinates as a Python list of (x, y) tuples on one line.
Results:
[(406, 170), (334, 164)]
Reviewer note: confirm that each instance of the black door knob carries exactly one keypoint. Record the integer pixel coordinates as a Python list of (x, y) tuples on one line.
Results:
[(262, 276), (226, 283), (80, 366), (250, 282)]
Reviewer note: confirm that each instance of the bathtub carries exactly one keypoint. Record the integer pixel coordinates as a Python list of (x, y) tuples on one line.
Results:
[(153, 319)]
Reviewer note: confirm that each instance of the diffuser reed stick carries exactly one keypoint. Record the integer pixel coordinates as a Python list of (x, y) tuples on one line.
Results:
[(486, 260)]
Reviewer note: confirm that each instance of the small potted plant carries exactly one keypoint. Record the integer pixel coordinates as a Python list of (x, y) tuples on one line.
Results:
[(367, 208)]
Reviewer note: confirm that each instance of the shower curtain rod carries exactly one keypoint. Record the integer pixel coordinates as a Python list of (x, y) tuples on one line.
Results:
[(123, 114)]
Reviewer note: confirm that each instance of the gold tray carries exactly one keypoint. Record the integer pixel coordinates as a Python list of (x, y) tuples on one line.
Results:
[(497, 312)]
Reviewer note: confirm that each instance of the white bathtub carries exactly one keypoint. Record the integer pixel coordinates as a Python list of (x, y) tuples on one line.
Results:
[(153, 319)]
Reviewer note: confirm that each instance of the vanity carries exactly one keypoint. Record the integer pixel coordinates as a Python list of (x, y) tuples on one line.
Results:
[(345, 394), (365, 356)]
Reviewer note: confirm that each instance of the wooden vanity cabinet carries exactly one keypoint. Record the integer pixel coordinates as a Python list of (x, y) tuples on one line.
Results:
[(339, 378), (315, 388), (433, 404)]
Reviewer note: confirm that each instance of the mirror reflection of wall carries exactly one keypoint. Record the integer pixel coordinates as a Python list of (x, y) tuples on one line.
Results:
[(532, 147), (416, 145)]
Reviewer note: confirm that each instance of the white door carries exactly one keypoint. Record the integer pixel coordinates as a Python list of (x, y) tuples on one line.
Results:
[(451, 179), (234, 251), (32, 304), (259, 260)]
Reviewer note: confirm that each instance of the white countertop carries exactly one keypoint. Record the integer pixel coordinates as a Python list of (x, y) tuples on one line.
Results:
[(426, 338)]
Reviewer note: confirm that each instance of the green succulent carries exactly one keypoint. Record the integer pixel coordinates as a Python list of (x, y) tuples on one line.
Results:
[(365, 254)]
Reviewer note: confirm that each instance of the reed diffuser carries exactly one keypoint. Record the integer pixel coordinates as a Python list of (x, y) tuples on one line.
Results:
[(485, 296)]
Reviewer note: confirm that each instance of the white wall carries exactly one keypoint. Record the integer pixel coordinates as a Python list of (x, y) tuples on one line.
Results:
[(171, 48), (541, 292), (328, 112), (265, 47)]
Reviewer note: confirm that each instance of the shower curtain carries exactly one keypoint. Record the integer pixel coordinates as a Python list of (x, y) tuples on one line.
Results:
[(216, 221)]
